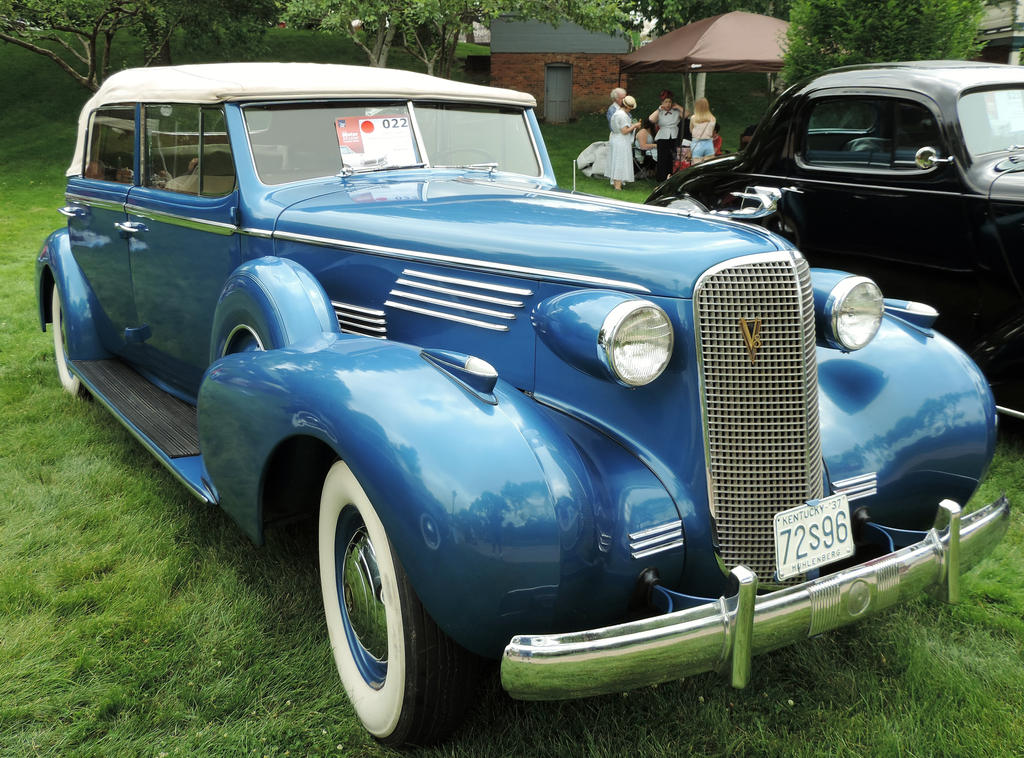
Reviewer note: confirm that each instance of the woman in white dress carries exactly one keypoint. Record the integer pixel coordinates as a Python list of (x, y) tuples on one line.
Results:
[(620, 144)]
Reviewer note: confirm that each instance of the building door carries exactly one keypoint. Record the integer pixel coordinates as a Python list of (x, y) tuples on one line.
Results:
[(557, 92)]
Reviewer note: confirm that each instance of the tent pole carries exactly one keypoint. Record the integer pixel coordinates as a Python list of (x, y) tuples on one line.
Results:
[(698, 91), (687, 92)]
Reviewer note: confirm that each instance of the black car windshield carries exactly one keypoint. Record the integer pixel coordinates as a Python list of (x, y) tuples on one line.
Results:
[(303, 141), (992, 120)]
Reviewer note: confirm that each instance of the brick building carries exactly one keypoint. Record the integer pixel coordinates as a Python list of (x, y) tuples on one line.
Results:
[(567, 68)]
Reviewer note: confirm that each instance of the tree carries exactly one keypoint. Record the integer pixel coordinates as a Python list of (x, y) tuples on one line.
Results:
[(371, 26), (437, 24), (231, 27), (430, 29), (74, 35), (824, 34), (433, 30), (671, 14), (77, 34)]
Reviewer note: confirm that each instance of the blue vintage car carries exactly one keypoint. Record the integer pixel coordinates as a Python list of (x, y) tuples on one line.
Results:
[(607, 444)]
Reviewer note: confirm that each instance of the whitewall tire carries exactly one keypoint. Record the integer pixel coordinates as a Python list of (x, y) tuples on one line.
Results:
[(379, 631), (71, 383)]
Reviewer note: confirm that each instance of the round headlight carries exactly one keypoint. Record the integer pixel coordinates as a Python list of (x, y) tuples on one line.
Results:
[(854, 312), (635, 342)]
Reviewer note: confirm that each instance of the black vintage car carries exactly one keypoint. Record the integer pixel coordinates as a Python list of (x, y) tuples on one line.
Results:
[(912, 173)]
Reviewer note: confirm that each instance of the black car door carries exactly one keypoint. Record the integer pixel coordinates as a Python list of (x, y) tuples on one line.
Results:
[(858, 201)]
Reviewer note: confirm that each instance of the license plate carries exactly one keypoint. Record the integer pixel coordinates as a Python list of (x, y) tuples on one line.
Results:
[(812, 535)]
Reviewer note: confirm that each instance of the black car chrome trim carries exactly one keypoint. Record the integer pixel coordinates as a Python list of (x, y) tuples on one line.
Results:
[(468, 283), (857, 487), (449, 304), (1010, 412), (848, 186), (391, 252), (188, 222), (459, 293), (447, 316)]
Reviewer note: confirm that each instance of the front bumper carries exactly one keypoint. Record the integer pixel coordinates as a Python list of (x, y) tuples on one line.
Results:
[(727, 633)]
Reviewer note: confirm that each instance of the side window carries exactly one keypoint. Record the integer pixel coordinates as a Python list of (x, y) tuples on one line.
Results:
[(850, 131), (187, 150), (861, 132), (217, 169), (915, 128), (111, 150)]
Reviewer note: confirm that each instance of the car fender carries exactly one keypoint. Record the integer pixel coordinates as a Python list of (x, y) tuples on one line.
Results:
[(276, 300), (912, 409), (56, 263), (486, 501)]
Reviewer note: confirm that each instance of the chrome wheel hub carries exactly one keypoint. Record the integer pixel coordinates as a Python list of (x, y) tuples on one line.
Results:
[(361, 588)]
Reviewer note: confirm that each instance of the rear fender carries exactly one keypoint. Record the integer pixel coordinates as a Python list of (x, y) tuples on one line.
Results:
[(485, 500), (273, 299), (55, 264), (912, 409)]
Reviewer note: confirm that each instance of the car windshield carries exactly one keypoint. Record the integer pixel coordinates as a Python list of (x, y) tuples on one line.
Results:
[(304, 141), (992, 120)]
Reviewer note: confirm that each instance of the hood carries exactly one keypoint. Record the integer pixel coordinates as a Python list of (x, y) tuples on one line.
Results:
[(527, 228), (1006, 177)]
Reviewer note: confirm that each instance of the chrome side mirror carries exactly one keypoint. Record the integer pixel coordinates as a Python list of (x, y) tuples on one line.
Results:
[(925, 157)]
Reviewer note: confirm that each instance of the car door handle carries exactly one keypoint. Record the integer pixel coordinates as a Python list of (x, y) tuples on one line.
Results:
[(72, 211), (130, 227)]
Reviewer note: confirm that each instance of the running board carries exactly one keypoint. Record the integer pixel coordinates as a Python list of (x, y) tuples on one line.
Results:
[(168, 426)]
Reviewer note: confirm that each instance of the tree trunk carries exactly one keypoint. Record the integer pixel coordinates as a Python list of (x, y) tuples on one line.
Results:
[(163, 57)]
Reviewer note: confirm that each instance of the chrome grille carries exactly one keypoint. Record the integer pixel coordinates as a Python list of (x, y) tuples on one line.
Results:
[(760, 417)]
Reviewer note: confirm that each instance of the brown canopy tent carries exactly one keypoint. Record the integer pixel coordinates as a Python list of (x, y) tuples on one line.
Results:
[(734, 41)]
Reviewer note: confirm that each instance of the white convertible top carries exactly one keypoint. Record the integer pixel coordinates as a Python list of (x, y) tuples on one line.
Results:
[(220, 82)]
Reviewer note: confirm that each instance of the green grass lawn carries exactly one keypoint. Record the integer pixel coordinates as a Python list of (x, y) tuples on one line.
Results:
[(134, 621)]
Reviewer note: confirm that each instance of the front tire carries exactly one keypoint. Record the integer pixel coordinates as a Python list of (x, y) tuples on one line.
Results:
[(381, 636), (71, 383)]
